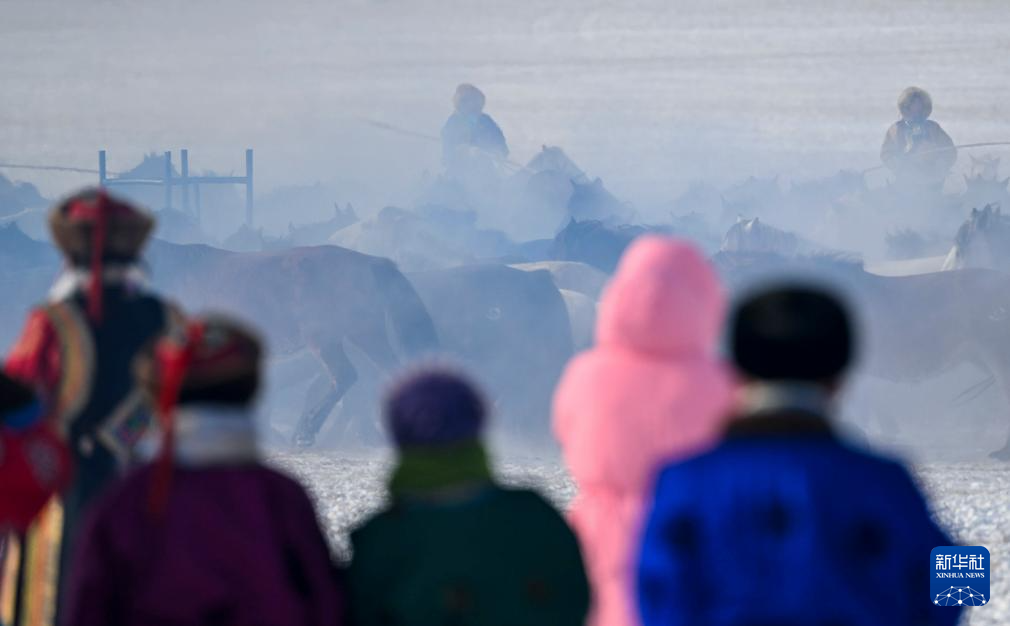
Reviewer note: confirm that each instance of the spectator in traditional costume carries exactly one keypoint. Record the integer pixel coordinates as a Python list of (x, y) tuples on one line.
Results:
[(77, 350), (205, 533)]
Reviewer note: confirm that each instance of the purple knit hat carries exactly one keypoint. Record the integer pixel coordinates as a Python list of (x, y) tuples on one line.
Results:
[(434, 406)]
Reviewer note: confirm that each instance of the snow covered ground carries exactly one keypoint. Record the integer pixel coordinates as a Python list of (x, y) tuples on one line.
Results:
[(969, 499)]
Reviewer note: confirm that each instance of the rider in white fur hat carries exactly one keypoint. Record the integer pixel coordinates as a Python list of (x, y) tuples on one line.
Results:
[(916, 149)]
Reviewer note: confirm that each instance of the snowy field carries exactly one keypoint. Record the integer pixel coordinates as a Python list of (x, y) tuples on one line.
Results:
[(969, 499)]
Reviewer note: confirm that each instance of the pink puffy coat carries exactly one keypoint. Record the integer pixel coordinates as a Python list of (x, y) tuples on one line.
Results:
[(652, 389)]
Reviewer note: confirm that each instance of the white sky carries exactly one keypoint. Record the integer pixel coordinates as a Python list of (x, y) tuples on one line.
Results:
[(646, 94)]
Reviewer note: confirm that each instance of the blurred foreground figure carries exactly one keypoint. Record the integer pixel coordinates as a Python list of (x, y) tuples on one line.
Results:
[(205, 534), (34, 463), (916, 149), (454, 547), (783, 523), (77, 351), (650, 390)]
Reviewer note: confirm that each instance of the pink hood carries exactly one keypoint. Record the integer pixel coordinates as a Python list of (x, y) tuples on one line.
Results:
[(651, 390), (665, 301)]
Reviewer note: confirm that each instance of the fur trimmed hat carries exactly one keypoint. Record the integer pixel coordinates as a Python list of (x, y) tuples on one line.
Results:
[(912, 94), (792, 333), (76, 224), (218, 362), (92, 228), (434, 406)]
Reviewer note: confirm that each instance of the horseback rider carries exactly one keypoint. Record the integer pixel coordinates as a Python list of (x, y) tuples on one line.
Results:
[(916, 149), (471, 140), (77, 352)]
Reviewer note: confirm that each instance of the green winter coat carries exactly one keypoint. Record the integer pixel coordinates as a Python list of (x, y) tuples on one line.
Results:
[(489, 555)]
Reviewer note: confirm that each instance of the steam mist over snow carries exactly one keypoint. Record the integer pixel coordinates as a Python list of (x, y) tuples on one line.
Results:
[(647, 94)]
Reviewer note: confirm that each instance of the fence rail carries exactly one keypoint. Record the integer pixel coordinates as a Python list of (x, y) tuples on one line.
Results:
[(47, 168), (189, 185)]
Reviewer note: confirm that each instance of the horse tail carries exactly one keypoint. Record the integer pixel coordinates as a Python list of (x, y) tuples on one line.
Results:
[(409, 318)]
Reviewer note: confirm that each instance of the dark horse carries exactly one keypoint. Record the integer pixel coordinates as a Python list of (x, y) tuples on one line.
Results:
[(510, 328), (917, 326), (319, 298), (594, 243)]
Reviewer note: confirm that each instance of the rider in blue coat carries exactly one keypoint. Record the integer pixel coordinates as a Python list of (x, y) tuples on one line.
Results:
[(784, 523), (469, 132)]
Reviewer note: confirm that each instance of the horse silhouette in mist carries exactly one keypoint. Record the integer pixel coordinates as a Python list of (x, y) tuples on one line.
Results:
[(916, 327), (321, 299), (318, 298), (983, 241), (753, 235)]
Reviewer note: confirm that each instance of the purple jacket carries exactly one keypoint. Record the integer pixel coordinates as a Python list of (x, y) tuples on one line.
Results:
[(237, 545)]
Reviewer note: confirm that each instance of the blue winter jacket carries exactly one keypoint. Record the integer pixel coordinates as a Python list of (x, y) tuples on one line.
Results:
[(479, 131), (783, 524)]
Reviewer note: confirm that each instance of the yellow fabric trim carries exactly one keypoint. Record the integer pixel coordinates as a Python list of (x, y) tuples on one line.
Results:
[(77, 361), (42, 561), (10, 578)]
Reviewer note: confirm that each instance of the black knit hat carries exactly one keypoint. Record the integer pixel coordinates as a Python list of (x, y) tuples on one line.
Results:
[(792, 333)]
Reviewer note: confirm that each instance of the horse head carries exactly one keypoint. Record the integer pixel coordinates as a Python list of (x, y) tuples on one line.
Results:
[(554, 159), (752, 197), (594, 243), (753, 235), (985, 167), (982, 241)]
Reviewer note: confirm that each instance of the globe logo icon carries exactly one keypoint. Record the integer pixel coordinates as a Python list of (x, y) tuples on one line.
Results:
[(959, 596)]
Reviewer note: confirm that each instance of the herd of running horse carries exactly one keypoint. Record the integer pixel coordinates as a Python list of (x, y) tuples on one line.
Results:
[(339, 321)]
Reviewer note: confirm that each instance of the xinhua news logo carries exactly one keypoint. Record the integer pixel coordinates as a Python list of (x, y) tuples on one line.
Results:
[(959, 576)]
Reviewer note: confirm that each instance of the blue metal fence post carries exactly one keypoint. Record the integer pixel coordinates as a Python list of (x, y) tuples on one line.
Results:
[(184, 155), (168, 180), (249, 187), (101, 168)]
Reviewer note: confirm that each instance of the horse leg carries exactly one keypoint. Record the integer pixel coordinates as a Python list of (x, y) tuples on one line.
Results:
[(1000, 374), (342, 375), (379, 353)]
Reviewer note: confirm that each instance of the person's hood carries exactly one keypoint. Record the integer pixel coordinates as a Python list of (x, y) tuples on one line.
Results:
[(665, 300)]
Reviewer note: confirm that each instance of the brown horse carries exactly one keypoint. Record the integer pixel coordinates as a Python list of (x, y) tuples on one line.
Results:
[(915, 327), (321, 298)]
